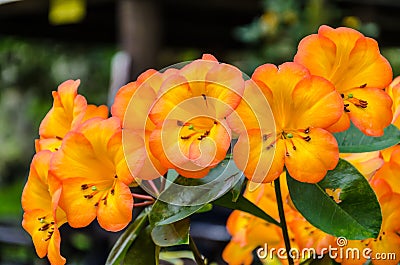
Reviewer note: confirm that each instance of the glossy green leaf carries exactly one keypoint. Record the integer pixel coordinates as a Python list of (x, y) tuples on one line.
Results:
[(244, 205), (171, 234), (120, 248), (164, 213), (143, 251), (352, 210), (187, 196), (191, 192), (354, 141)]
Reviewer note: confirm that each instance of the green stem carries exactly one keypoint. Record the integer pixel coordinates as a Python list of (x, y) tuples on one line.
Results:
[(282, 219), (200, 259)]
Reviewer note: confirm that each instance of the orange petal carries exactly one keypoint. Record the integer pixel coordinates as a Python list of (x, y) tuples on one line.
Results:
[(388, 240), (316, 103), (281, 81), (316, 45), (376, 116), (235, 254), (393, 91), (225, 84), (115, 212), (174, 90), (209, 57), (93, 111), (152, 167), (54, 254), (255, 157), (122, 99), (341, 125), (132, 153), (254, 110), (99, 131), (75, 164), (130, 156), (367, 163), (43, 244), (79, 210), (345, 57), (201, 173), (390, 171), (51, 144), (212, 149), (312, 159), (381, 187), (77, 158), (67, 111), (390, 243), (31, 225), (125, 93), (165, 145), (36, 191)]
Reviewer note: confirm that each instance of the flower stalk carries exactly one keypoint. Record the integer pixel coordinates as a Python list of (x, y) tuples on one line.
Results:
[(282, 219)]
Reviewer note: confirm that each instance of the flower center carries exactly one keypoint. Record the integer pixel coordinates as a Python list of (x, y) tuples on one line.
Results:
[(94, 190), (355, 101), (198, 128), (46, 225), (289, 135)]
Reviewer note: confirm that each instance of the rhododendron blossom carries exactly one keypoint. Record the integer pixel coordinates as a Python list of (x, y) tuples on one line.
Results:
[(42, 216), (69, 110), (187, 108), (303, 107), (94, 174), (189, 135), (353, 63)]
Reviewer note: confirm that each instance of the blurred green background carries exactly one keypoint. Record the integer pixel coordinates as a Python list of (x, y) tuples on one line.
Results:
[(44, 43)]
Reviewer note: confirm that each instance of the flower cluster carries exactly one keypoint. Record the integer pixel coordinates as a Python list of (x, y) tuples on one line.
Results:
[(380, 168), (249, 232), (185, 119), (78, 173)]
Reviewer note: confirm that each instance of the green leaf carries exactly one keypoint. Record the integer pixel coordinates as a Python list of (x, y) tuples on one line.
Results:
[(354, 141), (192, 192), (120, 248), (164, 213), (237, 190), (187, 196), (205, 208), (353, 212), (244, 205), (143, 251), (171, 234)]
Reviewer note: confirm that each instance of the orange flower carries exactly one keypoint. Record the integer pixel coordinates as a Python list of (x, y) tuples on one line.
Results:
[(95, 176), (42, 216), (394, 92), (68, 111), (359, 72), (131, 105), (191, 134), (303, 107), (390, 171), (388, 240)]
